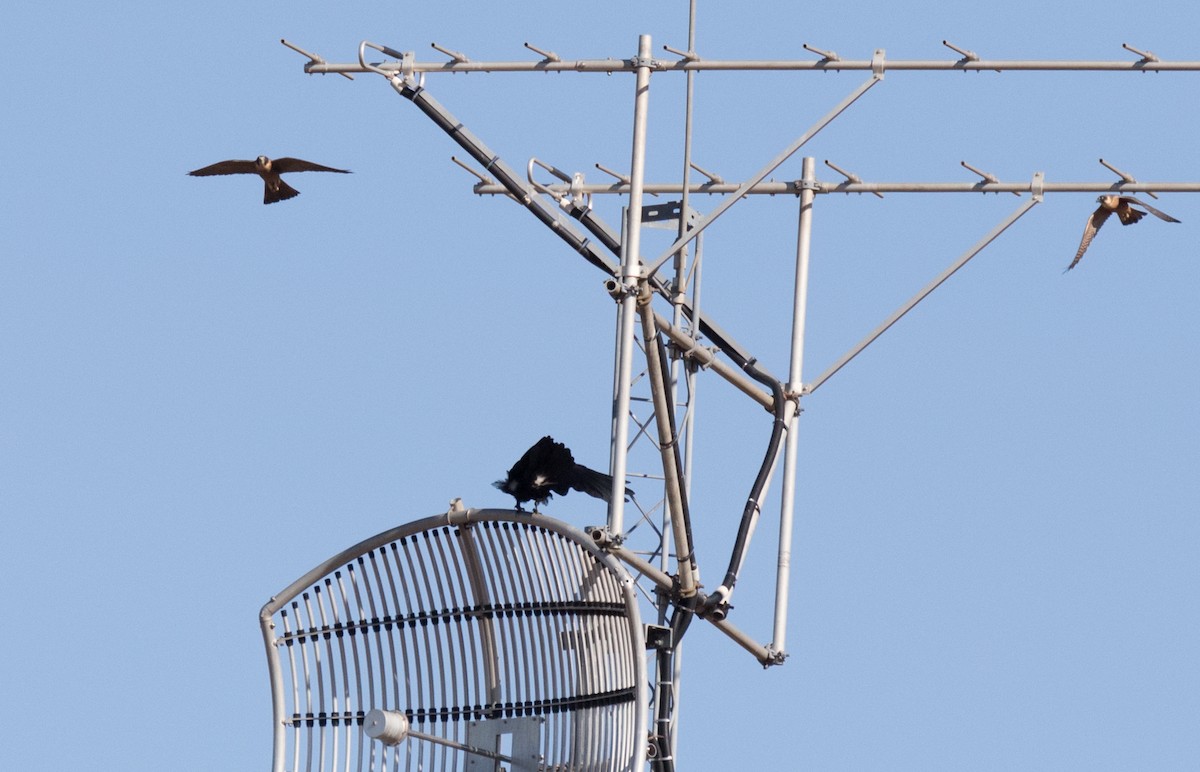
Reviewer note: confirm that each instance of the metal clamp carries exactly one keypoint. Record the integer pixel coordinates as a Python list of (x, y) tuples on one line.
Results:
[(1035, 187), (458, 514), (404, 79), (774, 657), (575, 198), (877, 64), (689, 354), (619, 291), (604, 538)]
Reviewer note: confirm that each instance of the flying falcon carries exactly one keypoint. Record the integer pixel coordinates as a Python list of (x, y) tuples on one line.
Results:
[(548, 467), (1123, 206), (274, 188)]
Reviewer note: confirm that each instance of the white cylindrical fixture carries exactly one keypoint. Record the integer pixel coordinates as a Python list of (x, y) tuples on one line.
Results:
[(389, 727)]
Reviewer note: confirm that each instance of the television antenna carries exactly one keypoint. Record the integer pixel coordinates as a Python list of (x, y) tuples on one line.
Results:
[(350, 656)]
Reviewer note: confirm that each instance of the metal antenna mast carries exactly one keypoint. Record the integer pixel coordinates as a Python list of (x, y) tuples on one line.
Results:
[(560, 574)]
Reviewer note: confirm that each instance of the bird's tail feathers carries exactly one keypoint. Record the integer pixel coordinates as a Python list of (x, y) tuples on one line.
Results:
[(281, 193), (1129, 216)]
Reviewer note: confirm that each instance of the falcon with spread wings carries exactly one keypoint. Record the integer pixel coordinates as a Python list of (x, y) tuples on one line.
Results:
[(274, 188), (1123, 207)]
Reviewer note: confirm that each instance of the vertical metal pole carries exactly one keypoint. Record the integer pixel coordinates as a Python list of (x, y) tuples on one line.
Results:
[(631, 274), (689, 420), (684, 426), (684, 201), (662, 419), (791, 412), (614, 289)]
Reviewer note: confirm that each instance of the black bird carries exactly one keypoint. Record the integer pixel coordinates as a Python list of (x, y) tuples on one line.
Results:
[(548, 467), (274, 188)]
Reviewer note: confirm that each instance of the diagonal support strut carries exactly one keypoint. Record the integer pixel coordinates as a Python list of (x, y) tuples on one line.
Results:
[(937, 282), (738, 194)]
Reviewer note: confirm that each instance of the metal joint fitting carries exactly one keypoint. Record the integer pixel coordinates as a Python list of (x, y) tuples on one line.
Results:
[(1036, 186), (618, 290)]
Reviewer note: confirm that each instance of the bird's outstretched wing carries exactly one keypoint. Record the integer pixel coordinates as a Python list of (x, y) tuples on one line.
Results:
[(591, 482), (1094, 222), (1157, 213), (226, 167), (285, 165)]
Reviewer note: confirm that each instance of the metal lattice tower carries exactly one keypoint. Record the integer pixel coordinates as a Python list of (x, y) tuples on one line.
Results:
[(578, 714)]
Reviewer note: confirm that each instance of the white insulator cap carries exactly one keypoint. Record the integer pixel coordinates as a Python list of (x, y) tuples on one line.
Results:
[(389, 727)]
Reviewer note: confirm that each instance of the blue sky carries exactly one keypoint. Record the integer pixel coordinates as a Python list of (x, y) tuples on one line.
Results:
[(202, 397)]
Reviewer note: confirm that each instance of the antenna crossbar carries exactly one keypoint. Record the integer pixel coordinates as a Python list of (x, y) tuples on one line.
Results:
[(793, 187), (608, 66)]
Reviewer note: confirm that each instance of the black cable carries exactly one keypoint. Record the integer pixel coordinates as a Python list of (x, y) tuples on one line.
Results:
[(717, 606)]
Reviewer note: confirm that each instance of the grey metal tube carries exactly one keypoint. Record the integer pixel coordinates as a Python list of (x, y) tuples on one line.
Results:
[(682, 617), (678, 299), (691, 381), (792, 188), (666, 443), (683, 492), (791, 410), (697, 65), (631, 273), (693, 350), (275, 671)]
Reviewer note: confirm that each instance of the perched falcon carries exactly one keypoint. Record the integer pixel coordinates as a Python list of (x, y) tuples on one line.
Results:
[(1123, 206), (548, 467), (274, 188)]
